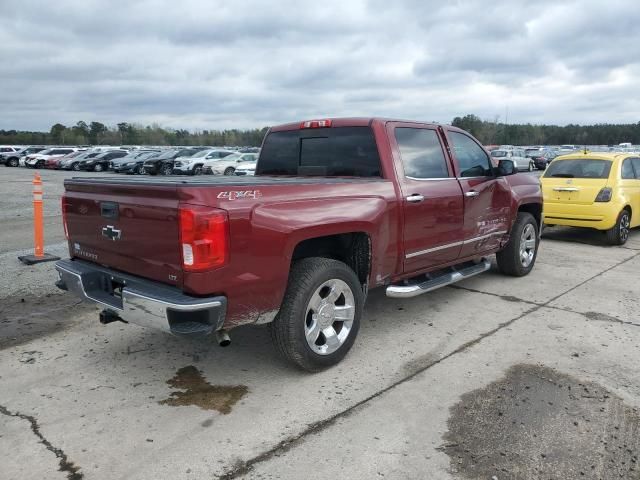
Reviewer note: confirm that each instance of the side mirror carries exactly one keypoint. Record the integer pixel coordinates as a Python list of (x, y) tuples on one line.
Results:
[(505, 168)]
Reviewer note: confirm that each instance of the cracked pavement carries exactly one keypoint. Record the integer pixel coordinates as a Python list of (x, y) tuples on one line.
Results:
[(95, 396)]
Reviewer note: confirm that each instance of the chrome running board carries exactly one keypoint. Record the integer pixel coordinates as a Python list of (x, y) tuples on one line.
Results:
[(424, 284)]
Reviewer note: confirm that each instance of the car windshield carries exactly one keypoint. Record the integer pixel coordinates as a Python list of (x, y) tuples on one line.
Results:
[(230, 158), (166, 155), (498, 153), (201, 153), (579, 168)]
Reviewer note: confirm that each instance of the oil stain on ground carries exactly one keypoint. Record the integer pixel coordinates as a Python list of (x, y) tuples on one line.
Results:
[(197, 391), (538, 423)]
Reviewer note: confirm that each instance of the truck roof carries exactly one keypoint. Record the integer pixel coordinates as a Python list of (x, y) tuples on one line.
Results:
[(348, 122)]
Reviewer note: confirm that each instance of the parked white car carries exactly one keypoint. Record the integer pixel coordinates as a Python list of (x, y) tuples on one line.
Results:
[(194, 164), (517, 156), (228, 165), (37, 160), (247, 168)]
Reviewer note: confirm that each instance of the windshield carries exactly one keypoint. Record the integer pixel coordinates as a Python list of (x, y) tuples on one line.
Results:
[(231, 158), (579, 168), (498, 153), (201, 153), (166, 155)]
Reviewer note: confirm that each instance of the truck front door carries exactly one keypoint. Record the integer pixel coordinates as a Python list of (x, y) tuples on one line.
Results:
[(432, 201), (487, 198)]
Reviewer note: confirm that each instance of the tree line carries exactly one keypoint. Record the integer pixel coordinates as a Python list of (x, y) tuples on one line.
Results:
[(497, 133), (96, 133), (487, 131)]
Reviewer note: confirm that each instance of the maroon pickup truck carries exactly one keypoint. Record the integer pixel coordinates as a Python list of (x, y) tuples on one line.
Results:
[(336, 207)]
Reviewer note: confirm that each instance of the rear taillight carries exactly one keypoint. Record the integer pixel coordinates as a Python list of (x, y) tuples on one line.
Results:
[(204, 237), (316, 124), (63, 205), (604, 195)]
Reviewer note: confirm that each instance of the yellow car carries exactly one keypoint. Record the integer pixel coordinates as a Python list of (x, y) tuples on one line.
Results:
[(594, 190)]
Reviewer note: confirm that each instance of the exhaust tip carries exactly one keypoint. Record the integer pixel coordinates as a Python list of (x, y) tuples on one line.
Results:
[(223, 338)]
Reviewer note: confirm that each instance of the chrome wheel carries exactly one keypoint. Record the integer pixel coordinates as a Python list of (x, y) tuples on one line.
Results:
[(625, 224), (527, 245), (329, 317)]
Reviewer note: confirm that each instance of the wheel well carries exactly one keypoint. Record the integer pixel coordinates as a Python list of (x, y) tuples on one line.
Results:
[(534, 209), (627, 207), (354, 249)]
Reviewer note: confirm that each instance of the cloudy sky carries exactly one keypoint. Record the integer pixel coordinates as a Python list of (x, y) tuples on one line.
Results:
[(222, 64)]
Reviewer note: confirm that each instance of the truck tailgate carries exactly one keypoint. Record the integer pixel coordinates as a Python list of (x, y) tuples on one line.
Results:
[(126, 228)]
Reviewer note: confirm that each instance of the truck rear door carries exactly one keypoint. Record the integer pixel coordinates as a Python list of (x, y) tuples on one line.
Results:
[(432, 201)]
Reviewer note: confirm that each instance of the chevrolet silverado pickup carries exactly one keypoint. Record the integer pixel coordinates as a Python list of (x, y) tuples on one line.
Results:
[(336, 207)]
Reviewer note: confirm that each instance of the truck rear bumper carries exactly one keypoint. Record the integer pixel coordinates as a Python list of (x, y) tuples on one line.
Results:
[(143, 302)]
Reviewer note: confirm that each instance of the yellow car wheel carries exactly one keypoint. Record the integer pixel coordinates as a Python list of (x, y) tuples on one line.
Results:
[(619, 234)]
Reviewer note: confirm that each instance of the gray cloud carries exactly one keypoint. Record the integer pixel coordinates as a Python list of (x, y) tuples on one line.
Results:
[(214, 64)]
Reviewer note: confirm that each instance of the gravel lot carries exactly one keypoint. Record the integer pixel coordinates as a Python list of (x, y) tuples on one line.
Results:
[(491, 378)]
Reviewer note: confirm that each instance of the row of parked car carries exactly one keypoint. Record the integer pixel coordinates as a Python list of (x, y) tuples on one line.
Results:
[(151, 161), (527, 158)]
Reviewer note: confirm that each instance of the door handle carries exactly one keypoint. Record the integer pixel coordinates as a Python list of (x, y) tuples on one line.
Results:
[(471, 193), (415, 198)]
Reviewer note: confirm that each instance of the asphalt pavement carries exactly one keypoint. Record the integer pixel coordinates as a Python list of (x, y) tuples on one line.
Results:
[(533, 377)]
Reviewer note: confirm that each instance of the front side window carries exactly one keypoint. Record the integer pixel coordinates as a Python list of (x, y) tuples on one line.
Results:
[(421, 153), (472, 159)]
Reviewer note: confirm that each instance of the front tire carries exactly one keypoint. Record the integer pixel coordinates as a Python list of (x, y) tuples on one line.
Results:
[(166, 169), (197, 170), (619, 234), (320, 314), (532, 166), (13, 162), (98, 167), (229, 171), (518, 257), (75, 167)]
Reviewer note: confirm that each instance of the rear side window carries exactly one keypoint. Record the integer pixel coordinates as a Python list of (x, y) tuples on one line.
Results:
[(421, 153), (328, 152), (636, 166), (472, 159), (579, 168), (627, 172)]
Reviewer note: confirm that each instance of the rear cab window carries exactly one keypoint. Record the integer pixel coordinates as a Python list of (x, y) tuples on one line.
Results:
[(328, 152), (579, 168)]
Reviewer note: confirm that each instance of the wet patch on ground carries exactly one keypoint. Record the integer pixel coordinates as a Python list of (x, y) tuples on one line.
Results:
[(25, 318), (538, 423), (198, 392)]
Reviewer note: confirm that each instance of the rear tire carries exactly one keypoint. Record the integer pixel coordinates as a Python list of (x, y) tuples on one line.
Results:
[(229, 171), (532, 166), (518, 257), (75, 167), (320, 314), (166, 169), (98, 167), (619, 234)]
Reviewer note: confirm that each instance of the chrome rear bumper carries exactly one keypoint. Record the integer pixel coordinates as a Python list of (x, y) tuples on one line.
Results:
[(143, 302)]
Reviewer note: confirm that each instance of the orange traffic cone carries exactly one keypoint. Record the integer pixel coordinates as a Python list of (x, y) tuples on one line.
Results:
[(38, 227)]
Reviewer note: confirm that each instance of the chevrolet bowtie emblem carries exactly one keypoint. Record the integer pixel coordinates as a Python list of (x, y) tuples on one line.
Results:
[(111, 233)]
